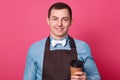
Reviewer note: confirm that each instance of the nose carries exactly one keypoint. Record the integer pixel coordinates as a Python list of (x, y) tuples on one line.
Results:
[(60, 23)]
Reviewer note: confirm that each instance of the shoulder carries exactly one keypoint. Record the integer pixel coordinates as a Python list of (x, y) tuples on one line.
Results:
[(81, 43), (36, 50), (37, 47), (82, 48), (38, 44)]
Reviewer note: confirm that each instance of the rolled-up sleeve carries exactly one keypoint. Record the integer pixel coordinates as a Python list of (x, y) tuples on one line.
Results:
[(89, 67), (30, 68)]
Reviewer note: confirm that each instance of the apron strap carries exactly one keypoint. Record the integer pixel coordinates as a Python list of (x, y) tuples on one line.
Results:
[(72, 44)]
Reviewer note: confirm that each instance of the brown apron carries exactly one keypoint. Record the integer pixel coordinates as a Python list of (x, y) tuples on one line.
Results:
[(56, 64)]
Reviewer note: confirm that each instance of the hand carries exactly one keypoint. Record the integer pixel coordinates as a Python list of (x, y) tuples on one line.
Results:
[(79, 76)]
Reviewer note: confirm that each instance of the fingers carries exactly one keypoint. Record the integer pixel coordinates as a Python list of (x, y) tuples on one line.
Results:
[(79, 76), (80, 73)]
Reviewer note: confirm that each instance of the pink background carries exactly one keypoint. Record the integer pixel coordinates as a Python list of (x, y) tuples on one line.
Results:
[(22, 22)]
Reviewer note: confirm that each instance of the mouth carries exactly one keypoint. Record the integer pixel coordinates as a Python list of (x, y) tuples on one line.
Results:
[(59, 29)]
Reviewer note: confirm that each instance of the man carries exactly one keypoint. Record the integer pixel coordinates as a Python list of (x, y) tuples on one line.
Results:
[(49, 59)]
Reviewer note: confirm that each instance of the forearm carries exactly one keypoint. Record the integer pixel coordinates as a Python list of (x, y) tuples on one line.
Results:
[(30, 68), (94, 77)]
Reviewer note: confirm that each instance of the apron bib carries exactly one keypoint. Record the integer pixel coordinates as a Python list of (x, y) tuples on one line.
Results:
[(56, 64)]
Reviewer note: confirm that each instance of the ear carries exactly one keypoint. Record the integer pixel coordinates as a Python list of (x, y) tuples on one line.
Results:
[(48, 21), (71, 22)]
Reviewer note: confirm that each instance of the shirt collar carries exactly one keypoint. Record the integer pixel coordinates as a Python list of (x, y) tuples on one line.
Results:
[(51, 38), (66, 37)]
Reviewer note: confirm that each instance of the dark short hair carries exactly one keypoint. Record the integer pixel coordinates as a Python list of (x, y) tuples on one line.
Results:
[(60, 5)]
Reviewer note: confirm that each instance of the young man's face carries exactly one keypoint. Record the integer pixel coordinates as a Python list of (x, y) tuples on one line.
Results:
[(59, 23)]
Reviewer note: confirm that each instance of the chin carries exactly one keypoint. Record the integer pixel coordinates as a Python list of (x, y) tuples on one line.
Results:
[(61, 35)]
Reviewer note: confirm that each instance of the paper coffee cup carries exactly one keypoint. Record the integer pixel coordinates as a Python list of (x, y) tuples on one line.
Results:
[(76, 66)]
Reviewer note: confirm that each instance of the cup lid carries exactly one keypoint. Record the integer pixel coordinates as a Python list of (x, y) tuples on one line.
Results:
[(76, 63)]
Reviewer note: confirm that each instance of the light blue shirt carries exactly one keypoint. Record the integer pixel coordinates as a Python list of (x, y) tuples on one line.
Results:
[(34, 62)]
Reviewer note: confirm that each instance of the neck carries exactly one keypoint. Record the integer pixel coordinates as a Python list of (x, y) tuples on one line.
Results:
[(58, 37)]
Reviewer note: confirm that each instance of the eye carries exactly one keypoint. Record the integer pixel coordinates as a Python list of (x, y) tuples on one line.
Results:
[(54, 19), (66, 19)]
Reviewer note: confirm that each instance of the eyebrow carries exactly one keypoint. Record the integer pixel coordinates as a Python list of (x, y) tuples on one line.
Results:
[(57, 17)]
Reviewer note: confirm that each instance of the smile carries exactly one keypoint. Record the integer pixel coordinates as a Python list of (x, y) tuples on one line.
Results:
[(59, 29)]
